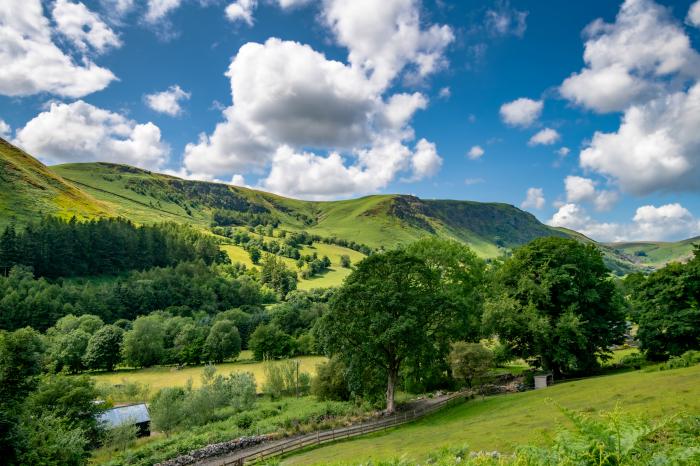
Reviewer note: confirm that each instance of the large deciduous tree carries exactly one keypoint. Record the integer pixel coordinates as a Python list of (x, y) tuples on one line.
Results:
[(104, 348), (554, 303), (666, 305), (391, 311)]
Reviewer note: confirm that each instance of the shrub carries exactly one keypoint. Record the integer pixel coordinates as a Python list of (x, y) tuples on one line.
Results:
[(634, 361), (330, 382)]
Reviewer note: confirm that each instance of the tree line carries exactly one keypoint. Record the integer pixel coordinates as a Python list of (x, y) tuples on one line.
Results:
[(55, 247)]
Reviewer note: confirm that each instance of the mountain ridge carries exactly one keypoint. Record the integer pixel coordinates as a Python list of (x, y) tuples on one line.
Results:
[(88, 190)]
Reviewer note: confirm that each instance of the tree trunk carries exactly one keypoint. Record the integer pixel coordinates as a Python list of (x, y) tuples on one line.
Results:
[(390, 387)]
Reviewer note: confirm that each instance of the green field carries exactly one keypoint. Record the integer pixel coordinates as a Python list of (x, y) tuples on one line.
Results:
[(507, 421), (333, 277), (160, 377)]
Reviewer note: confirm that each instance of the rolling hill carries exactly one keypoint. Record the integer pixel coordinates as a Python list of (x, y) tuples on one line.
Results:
[(29, 190)]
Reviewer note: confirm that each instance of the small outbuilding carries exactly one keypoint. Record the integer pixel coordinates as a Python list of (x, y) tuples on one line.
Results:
[(136, 414), (543, 381)]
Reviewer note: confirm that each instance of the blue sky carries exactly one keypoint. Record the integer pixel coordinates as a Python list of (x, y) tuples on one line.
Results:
[(583, 113)]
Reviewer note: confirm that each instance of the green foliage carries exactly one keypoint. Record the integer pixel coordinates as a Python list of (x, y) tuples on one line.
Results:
[(58, 248), (69, 398), (330, 382), (223, 341), (39, 303), (666, 305), (275, 274), (255, 255), (345, 261), (21, 358), (166, 409), (143, 344), (553, 302), (634, 361), (392, 310), (104, 348), (470, 361), (268, 341), (66, 350), (173, 408), (121, 437), (284, 378), (50, 440)]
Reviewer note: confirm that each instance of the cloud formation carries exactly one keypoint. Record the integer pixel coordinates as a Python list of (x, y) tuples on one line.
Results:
[(668, 222), (167, 101), (504, 20), (534, 199), (80, 132), (33, 63), (544, 137), (579, 189), (293, 109), (83, 28), (475, 152), (521, 112)]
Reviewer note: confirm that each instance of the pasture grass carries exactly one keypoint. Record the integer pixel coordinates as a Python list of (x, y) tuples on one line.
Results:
[(167, 376), (504, 422), (334, 276)]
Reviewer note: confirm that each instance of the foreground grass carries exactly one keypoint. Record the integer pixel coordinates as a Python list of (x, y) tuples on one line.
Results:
[(505, 422), (160, 377)]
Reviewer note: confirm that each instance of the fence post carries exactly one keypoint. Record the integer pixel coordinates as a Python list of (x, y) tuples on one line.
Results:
[(318, 437)]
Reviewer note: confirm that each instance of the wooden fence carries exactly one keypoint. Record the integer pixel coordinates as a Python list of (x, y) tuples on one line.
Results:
[(319, 437)]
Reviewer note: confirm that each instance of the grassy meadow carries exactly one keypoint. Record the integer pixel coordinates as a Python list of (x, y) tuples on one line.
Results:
[(333, 277), (168, 376), (507, 421)]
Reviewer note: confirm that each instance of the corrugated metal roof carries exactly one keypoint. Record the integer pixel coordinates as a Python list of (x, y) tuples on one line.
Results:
[(132, 414)]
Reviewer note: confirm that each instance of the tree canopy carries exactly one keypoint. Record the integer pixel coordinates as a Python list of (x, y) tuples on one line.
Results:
[(392, 310), (554, 303)]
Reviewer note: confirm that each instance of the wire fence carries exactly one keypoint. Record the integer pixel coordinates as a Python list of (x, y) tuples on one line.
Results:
[(320, 437)]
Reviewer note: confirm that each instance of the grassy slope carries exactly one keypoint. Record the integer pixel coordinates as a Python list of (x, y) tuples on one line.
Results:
[(381, 220), (333, 277), (504, 422), (656, 254), (28, 190), (160, 377)]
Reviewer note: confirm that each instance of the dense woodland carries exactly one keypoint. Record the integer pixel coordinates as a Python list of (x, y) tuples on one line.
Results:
[(425, 316)]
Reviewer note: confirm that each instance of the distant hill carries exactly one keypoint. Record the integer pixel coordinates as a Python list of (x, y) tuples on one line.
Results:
[(29, 189), (381, 220)]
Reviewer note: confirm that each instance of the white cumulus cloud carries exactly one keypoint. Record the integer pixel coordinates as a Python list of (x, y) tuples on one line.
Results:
[(656, 148), (5, 129), (167, 101), (668, 222), (384, 37), (80, 132), (631, 58), (157, 10), (241, 10), (31, 63), (580, 189), (475, 152), (534, 199), (521, 112), (545, 137), (693, 17), (83, 27)]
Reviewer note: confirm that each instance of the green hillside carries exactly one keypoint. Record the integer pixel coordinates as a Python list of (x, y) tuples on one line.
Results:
[(656, 254), (377, 221), (504, 422), (28, 189)]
